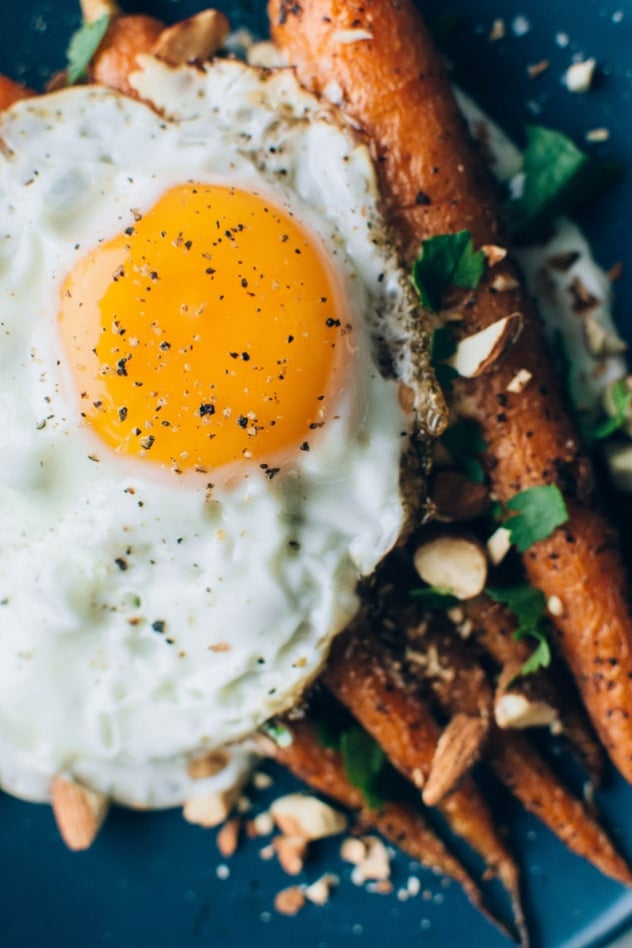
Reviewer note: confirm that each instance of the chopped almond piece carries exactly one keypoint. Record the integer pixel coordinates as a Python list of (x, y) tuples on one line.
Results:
[(289, 901), (193, 40), (78, 812), (298, 814), (454, 563), (228, 837), (207, 765), (291, 852)]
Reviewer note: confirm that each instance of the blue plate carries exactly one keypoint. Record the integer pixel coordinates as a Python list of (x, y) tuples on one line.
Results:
[(150, 879)]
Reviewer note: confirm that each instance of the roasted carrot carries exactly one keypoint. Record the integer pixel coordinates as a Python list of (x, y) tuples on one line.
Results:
[(363, 676), (459, 687), (492, 626), (11, 91), (322, 769), (393, 83)]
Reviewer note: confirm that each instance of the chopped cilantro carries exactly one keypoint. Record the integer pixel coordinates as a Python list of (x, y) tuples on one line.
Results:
[(463, 440), (435, 598), (328, 733), (444, 261), (442, 347), (277, 732), (82, 47), (621, 401), (558, 177), (535, 514), (364, 761), (528, 605)]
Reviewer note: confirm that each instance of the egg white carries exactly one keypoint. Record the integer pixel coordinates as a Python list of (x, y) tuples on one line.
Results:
[(144, 618)]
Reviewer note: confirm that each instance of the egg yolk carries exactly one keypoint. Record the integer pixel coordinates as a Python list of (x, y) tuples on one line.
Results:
[(209, 332)]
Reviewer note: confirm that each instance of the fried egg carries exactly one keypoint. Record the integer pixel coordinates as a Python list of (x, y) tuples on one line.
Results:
[(205, 342)]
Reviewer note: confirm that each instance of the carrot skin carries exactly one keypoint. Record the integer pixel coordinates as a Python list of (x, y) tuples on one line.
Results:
[(115, 60), (12, 91)]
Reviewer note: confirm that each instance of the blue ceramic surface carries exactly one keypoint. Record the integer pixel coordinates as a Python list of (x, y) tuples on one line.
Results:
[(150, 879)]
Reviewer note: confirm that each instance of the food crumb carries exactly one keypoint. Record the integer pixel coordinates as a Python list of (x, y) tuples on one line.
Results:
[(598, 135), (228, 838), (319, 891), (579, 76), (536, 69), (497, 31), (562, 40), (289, 901), (222, 871), (261, 780), (520, 25)]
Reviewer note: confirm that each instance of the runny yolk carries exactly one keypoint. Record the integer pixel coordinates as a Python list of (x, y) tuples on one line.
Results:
[(208, 332)]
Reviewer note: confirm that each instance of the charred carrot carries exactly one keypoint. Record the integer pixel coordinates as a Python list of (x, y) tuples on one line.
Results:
[(459, 686), (379, 59), (367, 681), (322, 769), (492, 626)]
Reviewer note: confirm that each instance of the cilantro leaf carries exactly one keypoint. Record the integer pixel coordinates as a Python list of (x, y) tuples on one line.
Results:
[(435, 598), (541, 655), (535, 514), (463, 440), (528, 605), (83, 45), (364, 761), (558, 177), (621, 401), (446, 260)]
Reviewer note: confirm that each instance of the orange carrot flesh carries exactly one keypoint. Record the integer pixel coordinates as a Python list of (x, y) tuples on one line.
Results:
[(12, 91), (394, 84)]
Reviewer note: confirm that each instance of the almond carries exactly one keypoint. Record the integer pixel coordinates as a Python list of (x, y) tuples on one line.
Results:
[(298, 814), (454, 563), (78, 812), (476, 354), (193, 40)]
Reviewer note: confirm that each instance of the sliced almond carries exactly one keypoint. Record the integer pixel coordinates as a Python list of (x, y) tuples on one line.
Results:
[(458, 749), (519, 382), (619, 460), (494, 254), (193, 40), (353, 850), (213, 808), (498, 545), (78, 812), (345, 37), (516, 710), (92, 10), (291, 852), (319, 891), (298, 814), (476, 354), (600, 342), (457, 564), (375, 865), (503, 282)]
